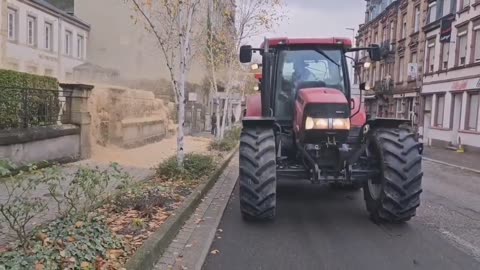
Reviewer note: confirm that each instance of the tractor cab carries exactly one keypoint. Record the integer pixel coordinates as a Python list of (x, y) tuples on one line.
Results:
[(305, 125)]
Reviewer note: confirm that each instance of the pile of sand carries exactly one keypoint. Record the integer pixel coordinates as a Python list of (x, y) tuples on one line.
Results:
[(147, 156)]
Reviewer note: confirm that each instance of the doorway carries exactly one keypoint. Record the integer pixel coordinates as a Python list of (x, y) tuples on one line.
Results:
[(456, 118)]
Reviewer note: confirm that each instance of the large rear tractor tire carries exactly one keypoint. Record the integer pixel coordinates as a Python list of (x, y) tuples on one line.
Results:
[(258, 177), (394, 195)]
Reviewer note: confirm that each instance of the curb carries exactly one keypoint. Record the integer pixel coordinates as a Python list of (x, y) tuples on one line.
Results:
[(148, 254), (451, 165)]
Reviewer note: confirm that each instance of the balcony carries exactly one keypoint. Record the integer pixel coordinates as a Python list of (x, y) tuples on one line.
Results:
[(384, 86), (387, 48)]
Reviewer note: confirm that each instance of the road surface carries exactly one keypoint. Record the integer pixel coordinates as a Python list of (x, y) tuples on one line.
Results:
[(317, 228)]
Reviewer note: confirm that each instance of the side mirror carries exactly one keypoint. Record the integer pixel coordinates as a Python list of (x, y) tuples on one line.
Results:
[(375, 53), (246, 54)]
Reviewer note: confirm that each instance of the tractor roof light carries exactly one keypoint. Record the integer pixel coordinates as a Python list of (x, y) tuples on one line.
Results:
[(367, 64), (254, 67)]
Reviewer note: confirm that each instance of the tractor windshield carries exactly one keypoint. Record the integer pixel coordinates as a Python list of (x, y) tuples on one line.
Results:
[(306, 68)]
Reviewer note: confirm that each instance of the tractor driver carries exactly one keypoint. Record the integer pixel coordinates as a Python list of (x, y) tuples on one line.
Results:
[(301, 73)]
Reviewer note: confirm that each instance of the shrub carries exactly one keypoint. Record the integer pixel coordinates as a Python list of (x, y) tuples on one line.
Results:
[(195, 166), (12, 110), (65, 244), (229, 142)]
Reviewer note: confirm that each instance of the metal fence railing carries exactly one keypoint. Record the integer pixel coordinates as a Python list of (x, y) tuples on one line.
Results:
[(26, 107)]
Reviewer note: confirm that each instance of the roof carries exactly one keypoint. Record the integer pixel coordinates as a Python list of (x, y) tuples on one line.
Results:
[(273, 42), (59, 12)]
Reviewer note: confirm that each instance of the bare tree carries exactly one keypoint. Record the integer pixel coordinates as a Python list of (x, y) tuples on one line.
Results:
[(172, 24), (244, 19)]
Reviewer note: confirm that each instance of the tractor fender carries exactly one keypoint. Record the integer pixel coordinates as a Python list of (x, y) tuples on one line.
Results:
[(387, 123), (258, 121), (253, 106)]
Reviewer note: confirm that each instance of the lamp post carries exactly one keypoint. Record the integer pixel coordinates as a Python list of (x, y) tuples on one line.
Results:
[(353, 35)]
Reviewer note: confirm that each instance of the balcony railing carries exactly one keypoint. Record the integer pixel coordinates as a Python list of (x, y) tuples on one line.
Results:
[(384, 86), (25, 107)]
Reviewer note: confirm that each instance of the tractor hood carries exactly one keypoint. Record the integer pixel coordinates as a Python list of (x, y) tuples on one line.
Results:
[(321, 95)]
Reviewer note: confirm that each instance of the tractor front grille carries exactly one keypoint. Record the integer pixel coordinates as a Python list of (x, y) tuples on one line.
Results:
[(328, 110)]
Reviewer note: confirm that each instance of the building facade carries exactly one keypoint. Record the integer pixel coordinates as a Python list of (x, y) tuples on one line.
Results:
[(38, 38), (395, 81), (451, 83), (124, 34)]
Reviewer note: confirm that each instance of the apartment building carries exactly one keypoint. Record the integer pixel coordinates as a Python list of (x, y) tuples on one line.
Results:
[(38, 38), (395, 81), (451, 83)]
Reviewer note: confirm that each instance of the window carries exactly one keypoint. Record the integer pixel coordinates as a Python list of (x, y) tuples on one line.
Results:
[(476, 44), (375, 38), (432, 12), (384, 33), (462, 48), (439, 112), (382, 71), (472, 114), (12, 24), (417, 19), (392, 31), (444, 56), (414, 58), (404, 26), (399, 110), (298, 68), (68, 43), (31, 30), (465, 3), (48, 36), (401, 67), (374, 75), (80, 47), (430, 55), (447, 7)]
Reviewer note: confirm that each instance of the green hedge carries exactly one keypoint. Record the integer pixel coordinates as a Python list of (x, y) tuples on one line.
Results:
[(10, 78), (13, 113)]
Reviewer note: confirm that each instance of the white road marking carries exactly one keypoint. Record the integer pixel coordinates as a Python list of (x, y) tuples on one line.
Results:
[(474, 250)]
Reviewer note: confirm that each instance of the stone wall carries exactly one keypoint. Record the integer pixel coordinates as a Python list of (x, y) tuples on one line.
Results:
[(33, 145), (128, 117)]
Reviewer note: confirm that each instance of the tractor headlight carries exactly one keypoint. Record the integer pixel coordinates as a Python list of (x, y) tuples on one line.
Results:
[(327, 123), (341, 123)]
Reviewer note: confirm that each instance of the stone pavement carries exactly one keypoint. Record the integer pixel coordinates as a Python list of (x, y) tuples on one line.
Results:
[(467, 159), (190, 247)]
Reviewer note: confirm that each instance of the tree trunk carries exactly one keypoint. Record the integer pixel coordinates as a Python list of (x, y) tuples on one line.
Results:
[(217, 112), (181, 121), (225, 106)]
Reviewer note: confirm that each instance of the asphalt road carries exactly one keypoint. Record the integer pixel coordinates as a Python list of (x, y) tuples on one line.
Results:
[(319, 228)]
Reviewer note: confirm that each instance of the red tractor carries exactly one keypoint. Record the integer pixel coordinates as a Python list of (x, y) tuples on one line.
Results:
[(306, 126)]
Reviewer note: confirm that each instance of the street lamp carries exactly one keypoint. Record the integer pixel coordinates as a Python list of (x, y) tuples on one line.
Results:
[(353, 34)]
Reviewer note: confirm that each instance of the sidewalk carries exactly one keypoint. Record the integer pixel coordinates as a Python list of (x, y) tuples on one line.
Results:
[(467, 160)]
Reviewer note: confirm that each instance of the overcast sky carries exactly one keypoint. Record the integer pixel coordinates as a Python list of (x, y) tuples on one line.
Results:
[(320, 18)]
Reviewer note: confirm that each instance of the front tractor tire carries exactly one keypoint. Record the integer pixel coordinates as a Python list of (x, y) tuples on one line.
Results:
[(257, 178), (394, 195)]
